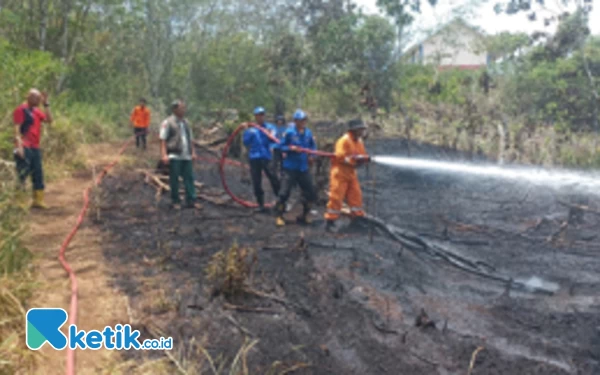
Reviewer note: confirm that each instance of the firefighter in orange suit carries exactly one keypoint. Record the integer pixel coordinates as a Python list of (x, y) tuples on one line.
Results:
[(344, 185), (140, 120)]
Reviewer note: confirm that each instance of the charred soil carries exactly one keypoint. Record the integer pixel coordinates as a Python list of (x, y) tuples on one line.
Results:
[(322, 303)]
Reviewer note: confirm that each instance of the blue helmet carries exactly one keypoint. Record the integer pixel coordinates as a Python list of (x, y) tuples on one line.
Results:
[(259, 111), (300, 115)]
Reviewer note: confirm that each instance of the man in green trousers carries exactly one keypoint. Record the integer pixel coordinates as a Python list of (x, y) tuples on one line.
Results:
[(177, 151)]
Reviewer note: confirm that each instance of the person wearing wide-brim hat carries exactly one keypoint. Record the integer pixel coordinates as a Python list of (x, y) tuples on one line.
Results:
[(350, 153)]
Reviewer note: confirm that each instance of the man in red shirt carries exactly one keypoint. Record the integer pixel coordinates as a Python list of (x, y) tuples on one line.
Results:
[(28, 120)]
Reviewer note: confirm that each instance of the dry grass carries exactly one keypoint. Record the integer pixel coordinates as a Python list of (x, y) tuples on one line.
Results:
[(229, 270), (15, 357), (194, 358), (160, 301), (16, 281), (537, 144)]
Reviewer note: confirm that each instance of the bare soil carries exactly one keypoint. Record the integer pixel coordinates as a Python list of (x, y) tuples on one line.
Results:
[(348, 306), (101, 303)]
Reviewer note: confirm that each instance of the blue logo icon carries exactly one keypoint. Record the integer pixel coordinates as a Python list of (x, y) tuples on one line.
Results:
[(43, 325)]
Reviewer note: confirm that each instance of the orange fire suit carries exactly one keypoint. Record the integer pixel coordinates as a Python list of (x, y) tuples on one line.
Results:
[(343, 180), (140, 117)]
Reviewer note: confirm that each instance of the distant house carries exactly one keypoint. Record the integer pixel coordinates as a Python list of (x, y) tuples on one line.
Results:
[(455, 45)]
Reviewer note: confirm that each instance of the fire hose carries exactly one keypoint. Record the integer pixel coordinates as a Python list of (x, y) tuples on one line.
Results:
[(224, 160), (70, 365)]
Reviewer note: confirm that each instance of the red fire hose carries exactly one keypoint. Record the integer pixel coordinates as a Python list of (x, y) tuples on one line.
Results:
[(224, 160), (70, 367)]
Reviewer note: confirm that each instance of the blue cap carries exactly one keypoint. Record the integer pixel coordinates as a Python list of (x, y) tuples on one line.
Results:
[(259, 111), (299, 115)]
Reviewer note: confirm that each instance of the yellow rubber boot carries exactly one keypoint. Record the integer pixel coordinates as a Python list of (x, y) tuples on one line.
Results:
[(280, 222), (38, 200)]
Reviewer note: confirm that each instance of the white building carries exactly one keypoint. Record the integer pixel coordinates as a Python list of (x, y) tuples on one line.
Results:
[(456, 45)]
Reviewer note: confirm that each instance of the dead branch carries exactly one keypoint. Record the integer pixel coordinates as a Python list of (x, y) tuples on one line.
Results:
[(153, 178), (419, 357), (239, 326), (265, 295), (296, 367), (473, 358), (331, 245), (275, 248), (229, 306), (580, 207), (162, 186), (554, 236)]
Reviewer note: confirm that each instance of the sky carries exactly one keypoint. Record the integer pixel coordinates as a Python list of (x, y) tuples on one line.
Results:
[(483, 16)]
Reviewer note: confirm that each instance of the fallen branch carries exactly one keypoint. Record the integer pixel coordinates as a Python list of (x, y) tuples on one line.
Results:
[(229, 306), (558, 233), (265, 295), (155, 179), (296, 367), (158, 181), (435, 364), (331, 245), (239, 326), (473, 358), (580, 207)]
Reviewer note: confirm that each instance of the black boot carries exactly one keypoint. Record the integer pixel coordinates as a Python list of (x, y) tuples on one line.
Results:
[(304, 219), (261, 208), (329, 225)]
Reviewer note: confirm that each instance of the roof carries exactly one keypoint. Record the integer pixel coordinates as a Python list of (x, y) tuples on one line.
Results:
[(456, 21)]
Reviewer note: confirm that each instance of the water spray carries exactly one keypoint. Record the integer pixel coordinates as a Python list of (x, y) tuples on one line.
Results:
[(587, 182)]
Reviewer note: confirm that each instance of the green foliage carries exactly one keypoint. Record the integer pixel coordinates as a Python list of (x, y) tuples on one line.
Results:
[(21, 69), (556, 91), (505, 44)]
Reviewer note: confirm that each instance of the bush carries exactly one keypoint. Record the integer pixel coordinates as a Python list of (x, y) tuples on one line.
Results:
[(229, 270)]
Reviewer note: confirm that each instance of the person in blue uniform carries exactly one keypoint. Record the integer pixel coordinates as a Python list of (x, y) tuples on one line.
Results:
[(259, 147), (296, 169)]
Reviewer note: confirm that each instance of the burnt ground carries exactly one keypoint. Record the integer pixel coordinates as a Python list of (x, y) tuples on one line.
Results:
[(351, 306)]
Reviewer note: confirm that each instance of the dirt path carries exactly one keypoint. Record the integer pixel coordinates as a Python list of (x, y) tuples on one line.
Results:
[(100, 303)]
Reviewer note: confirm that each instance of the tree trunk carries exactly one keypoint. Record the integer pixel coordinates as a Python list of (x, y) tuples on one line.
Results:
[(31, 11), (66, 10), (501, 135), (43, 23)]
